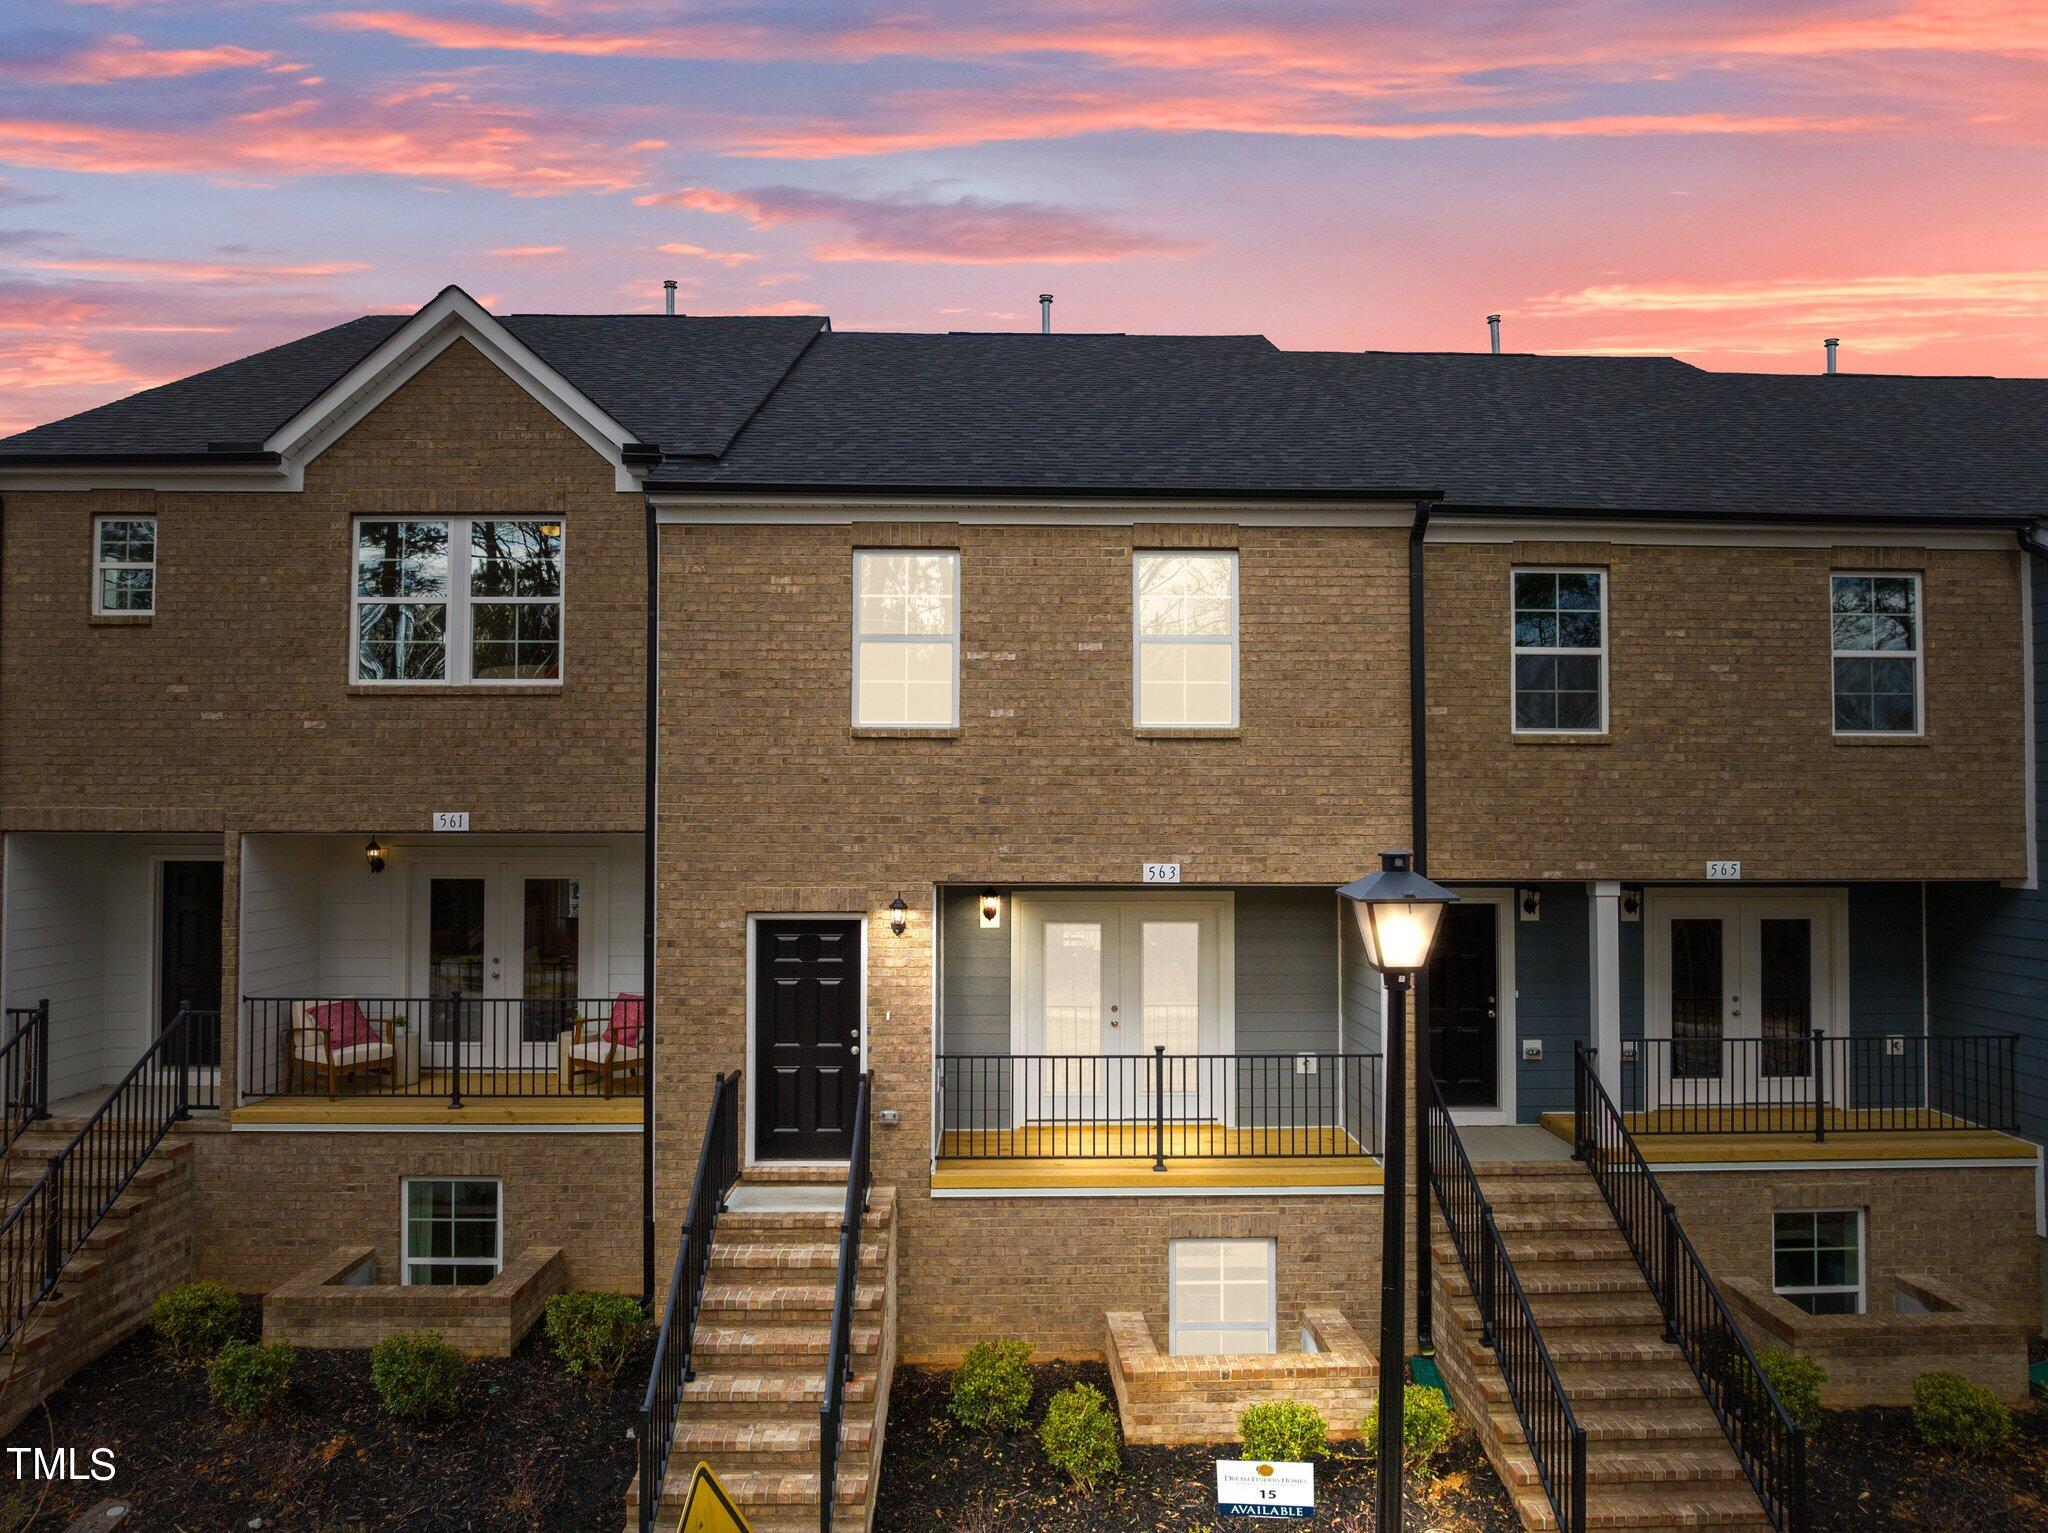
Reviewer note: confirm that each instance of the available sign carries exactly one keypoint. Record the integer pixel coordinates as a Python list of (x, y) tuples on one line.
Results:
[(1251, 1488)]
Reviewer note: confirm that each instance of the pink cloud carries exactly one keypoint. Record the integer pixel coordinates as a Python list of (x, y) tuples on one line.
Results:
[(968, 231), (726, 258), (122, 58), (171, 270), (703, 42), (527, 252), (62, 363)]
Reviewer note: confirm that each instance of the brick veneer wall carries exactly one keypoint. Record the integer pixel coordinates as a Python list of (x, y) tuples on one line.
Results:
[(338, 1302), (271, 1203), (1165, 1399), (1721, 696)]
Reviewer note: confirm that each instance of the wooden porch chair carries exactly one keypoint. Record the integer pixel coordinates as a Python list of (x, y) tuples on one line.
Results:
[(315, 1056)]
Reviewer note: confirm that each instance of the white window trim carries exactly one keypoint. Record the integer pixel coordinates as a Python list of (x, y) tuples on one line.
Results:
[(101, 565), (406, 1260), (1140, 640), (950, 640), (1515, 651), (457, 599), (1860, 1288), (1915, 654), (1174, 1325)]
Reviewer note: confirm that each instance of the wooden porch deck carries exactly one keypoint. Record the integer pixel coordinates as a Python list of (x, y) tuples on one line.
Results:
[(484, 1105), (1675, 1137), (1199, 1157)]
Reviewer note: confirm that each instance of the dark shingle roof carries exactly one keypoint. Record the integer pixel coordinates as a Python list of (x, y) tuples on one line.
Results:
[(754, 403)]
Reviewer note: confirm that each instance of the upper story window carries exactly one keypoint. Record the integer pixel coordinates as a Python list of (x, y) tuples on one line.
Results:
[(1560, 638), (124, 564), (1876, 621), (459, 600), (906, 638), (1185, 617)]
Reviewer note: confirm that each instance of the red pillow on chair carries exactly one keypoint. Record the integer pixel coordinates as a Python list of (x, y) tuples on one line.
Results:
[(628, 1021), (344, 1024)]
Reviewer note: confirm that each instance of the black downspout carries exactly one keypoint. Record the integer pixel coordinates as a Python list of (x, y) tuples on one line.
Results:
[(647, 887), (1418, 808), (2030, 543)]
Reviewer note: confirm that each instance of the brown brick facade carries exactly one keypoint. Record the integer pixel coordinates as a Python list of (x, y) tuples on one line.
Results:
[(1720, 740)]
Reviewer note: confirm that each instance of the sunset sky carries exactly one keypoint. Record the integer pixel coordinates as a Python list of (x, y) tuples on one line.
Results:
[(182, 182)]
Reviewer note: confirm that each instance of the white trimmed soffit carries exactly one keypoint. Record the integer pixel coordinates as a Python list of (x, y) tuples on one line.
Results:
[(1455, 527), (452, 316), (973, 510)]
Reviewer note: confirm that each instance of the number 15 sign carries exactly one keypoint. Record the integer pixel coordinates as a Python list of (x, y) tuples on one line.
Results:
[(1249, 1488)]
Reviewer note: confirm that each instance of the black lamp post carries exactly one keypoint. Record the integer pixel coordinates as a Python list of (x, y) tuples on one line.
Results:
[(1398, 912)]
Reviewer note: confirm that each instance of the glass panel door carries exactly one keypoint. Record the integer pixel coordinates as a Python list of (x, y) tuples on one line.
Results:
[(1699, 996), (458, 935), (550, 963), (1169, 1007), (1080, 1012), (1786, 995)]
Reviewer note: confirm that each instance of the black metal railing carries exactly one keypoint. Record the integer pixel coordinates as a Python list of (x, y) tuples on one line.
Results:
[(51, 1221), (839, 1355), (1812, 1083), (718, 1167), (24, 1070), (1507, 1324), (452, 1046), (1157, 1106), (1769, 1444)]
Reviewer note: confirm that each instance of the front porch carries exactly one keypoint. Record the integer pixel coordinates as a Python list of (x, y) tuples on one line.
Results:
[(1124, 1040), (446, 981)]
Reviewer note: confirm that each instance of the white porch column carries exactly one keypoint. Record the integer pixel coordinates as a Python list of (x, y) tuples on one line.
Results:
[(1606, 982)]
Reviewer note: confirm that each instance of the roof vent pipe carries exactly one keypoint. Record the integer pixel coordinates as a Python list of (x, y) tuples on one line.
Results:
[(1831, 343), (1045, 314), (1493, 329), (668, 293)]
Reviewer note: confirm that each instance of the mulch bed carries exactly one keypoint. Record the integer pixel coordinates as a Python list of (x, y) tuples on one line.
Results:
[(938, 1475), (532, 1450), (1868, 1470)]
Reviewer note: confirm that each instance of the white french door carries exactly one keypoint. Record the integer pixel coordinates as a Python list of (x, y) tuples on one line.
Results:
[(1737, 986), (1099, 986), (502, 950)]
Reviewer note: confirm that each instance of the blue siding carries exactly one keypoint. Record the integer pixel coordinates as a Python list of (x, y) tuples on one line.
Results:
[(1632, 941), (1884, 959), (1553, 997), (1988, 947)]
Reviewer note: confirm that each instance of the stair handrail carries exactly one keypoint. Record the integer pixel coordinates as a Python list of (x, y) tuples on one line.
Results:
[(24, 1070), (839, 1355), (51, 1222), (718, 1167), (1768, 1443), (1507, 1323)]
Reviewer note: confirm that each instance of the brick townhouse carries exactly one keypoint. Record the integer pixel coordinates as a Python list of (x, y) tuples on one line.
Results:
[(1017, 705)]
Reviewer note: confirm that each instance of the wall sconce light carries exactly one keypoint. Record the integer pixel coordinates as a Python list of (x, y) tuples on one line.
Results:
[(899, 915), (991, 909), (1531, 904), (375, 853), (1632, 903)]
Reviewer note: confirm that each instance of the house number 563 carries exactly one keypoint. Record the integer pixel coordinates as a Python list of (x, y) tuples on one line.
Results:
[(1162, 872)]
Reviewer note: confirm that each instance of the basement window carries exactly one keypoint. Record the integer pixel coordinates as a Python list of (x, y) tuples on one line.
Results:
[(1222, 1299), (458, 601), (1817, 1260), (454, 1231), (124, 566)]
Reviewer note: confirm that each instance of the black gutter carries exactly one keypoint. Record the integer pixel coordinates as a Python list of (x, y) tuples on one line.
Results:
[(1228, 494), (1696, 515), (650, 788), (2029, 542), (1418, 695), (136, 459)]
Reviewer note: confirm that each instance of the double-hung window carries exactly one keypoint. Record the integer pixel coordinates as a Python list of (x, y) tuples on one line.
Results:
[(458, 600), (1817, 1260), (454, 1230), (124, 565), (906, 638), (1876, 624), (1185, 617), (1560, 651), (1222, 1298)]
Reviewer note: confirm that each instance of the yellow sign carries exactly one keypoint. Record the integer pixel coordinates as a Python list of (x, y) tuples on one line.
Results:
[(708, 1509)]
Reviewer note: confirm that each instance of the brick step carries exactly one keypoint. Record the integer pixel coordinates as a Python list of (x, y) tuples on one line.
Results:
[(1628, 1464), (1638, 1388), (1619, 1510), (766, 1447), (723, 1392), (797, 1226), (780, 1490), (776, 1256), (1579, 1190), (771, 1346), (1642, 1421), (1532, 1170), (769, 1175), (789, 1300), (1532, 1248), (1564, 1278), (1587, 1220), (1628, 1316)]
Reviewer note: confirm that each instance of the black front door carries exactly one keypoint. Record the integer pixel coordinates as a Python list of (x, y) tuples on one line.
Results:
[(1461, 1005), (806, 1038), (188, 948)]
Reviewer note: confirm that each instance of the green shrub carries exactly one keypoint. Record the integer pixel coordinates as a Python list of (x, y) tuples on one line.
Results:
[(248, 1378), (1283, 1431), (1427, 1428), (417, 1374), (1797, 1380), (992, 1388), (593, 1332), (1955, 1414), (195, 1320), (1079, 1435)]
